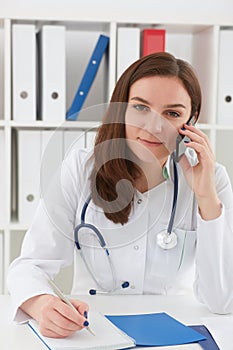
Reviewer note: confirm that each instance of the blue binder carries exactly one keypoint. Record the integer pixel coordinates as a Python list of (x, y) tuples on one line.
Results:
[(88, 77)]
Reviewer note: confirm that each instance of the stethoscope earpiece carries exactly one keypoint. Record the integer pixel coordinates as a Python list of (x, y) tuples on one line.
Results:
[(92, 291), (125, 284)]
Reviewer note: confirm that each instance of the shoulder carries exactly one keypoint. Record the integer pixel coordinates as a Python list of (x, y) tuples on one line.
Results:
[(77, 166), (78, 159)]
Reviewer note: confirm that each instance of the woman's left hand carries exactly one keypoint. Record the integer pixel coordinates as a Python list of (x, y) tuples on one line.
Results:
[(201, 177)]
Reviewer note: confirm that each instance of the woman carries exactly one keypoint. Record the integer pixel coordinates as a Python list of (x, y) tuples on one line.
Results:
[(131, 180)]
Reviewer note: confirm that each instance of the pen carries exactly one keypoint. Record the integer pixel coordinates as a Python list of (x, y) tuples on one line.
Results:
[(65, 299)]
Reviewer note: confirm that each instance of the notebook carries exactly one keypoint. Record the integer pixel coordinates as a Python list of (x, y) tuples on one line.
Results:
[(107, 336)]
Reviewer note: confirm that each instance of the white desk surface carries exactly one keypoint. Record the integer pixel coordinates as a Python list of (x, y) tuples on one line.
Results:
[(184, 308)]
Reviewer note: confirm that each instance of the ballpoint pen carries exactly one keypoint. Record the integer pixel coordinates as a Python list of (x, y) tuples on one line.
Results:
[(66, 300)]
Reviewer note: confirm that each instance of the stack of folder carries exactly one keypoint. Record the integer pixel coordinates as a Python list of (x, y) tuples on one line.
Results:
[(39, 64), (39, 88), (128, 331)]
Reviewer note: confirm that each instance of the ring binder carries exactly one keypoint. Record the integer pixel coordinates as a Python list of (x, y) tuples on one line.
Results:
[(127, 53), (153, 41), (24, 72), (88, 77), (52, 73)]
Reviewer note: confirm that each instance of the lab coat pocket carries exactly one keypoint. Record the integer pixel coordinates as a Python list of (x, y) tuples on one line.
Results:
[(186, 248), (169, 263)]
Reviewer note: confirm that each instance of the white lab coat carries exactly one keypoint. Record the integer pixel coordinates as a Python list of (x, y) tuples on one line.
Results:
[(208, 245)]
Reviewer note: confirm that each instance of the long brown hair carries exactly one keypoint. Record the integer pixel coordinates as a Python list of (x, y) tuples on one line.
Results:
[(112, 160)]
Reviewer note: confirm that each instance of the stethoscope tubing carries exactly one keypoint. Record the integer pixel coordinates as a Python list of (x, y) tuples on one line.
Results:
[(175, 195), (167, 233), (166, 240)]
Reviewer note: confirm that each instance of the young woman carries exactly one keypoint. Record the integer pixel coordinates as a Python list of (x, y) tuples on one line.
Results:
[(133, 215)]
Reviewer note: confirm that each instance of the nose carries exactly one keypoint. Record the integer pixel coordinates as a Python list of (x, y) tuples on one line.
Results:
[(153, 123)]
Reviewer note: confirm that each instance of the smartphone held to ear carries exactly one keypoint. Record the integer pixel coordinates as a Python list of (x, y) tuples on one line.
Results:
[(182, 149)]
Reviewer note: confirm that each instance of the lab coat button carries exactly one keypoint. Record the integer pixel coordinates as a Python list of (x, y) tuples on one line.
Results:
[(136, 247), (132, 287), (139, 201)]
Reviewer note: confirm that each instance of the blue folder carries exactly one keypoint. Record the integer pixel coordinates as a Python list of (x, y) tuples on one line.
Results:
[(156, 329), (88, 77)]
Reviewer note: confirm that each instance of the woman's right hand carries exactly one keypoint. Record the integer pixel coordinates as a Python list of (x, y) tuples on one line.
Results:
[(56, 319)]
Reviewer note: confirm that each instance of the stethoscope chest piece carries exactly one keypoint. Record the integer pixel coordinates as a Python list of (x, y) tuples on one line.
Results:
[(166, 240)]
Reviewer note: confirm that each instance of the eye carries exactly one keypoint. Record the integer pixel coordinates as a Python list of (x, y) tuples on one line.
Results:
[(173, 114), (141, 108)]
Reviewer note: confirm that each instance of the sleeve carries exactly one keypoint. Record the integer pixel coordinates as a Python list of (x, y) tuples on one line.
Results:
[(214, 263), (48, 244)]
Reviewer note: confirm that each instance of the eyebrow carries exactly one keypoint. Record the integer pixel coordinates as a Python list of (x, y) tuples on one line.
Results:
[(172, 105)]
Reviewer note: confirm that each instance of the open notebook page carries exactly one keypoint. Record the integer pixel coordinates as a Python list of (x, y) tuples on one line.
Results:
[(107, 336)]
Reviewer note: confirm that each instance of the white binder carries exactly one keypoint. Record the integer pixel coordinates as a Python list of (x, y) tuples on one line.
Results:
[(24, 72), (53, 73), (29, 156), (2, 72), (128, 48), (1, 262), (225, 78), (73, 139), (51, 157), (2, 178), (40, 155)]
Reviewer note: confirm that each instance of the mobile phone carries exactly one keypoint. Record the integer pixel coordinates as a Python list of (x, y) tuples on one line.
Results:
[(182, 149)]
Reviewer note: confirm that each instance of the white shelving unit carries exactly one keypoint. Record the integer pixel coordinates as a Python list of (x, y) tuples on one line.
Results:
[(197, 43)]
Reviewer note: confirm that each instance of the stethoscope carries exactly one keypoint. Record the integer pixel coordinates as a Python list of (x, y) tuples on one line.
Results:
[(94, 229), (166, 239)]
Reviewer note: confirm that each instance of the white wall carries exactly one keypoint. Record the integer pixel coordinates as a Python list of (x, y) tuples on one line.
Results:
[(194, 11)]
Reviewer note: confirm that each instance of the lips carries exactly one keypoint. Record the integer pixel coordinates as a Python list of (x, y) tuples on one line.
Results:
[(149, 142)]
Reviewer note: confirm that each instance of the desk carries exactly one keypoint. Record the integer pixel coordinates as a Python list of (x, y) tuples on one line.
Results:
[(184, 308)]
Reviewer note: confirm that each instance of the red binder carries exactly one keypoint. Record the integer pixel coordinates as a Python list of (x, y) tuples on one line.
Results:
[(153, 40)]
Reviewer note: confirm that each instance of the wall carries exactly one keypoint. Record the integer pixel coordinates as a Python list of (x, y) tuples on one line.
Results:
[(194, 11)]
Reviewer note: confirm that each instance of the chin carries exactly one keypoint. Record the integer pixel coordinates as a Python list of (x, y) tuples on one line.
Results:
[(144, 154)]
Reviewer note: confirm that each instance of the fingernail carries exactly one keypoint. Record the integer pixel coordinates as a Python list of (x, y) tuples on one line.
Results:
[(85, 314), (86, 323)]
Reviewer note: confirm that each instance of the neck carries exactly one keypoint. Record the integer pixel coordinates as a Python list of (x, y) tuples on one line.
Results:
[(152, 176)]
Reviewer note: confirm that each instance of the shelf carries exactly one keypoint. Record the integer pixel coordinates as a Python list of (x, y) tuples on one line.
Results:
[(224, 127), (18, 227), (46, 125), (205, 126), (88, 125), (171, 28), (195, 42), (70, 24)]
